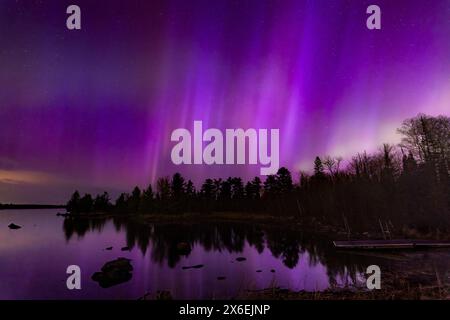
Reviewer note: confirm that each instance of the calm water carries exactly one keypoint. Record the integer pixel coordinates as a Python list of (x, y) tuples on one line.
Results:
[(34, 259)]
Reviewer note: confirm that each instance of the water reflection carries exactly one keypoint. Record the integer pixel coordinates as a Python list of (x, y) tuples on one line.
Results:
[(159, 241)]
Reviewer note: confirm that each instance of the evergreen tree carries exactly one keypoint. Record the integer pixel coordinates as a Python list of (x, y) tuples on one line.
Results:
[(284, 181), (256, 184), (122, 203), (163, 188), (225, 190), (190, 189), (270, 186), (146, 204), (102, 202), (178, 186), (73, 205), (207, 190), (318, 169), (86, 203), (237, 188)]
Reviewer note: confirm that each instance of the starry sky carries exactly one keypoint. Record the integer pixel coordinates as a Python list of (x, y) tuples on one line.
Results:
[(94, 108)]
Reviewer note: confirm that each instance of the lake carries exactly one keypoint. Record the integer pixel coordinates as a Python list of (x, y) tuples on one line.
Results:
[(34, 258)]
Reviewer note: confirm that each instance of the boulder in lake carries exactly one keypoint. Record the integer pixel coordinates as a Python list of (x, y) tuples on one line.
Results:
[(125, 249), (14, 226), (114, 272), (241, 259), (109, 248)]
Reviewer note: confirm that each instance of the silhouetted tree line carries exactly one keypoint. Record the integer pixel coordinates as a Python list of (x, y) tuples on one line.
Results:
[(408, 184)]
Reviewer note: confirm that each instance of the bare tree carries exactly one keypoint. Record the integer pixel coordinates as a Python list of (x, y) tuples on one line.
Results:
[(428, 139), (332, 164)]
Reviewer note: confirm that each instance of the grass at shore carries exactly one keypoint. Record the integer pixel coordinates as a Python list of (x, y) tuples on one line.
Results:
[(408, 283), (409, 293)]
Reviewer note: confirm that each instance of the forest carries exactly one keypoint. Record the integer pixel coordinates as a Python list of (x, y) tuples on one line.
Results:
[(399, 186)]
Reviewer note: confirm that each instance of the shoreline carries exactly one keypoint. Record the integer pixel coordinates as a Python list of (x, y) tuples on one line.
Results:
[(294, 223)]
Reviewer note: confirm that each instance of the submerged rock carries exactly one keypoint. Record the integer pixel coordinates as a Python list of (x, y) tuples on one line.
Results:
[(144, 297), (184, 248), (272, 270), (59, 214), (114, 272), (258, 271), (197, 266), (163, 295), (221, 278), (14, 226), (125, 249), (109, 248), (241, 259)]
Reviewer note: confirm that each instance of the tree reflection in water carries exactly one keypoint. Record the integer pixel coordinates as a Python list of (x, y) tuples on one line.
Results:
[(285, 245)]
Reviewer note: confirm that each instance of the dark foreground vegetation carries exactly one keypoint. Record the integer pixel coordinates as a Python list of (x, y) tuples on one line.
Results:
[(398, 189)]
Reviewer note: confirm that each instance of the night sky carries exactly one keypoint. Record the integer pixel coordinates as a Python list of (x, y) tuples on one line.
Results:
[(94, 109)]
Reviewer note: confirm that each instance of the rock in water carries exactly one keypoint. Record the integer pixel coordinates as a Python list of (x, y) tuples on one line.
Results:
[(14, 226), (114, 272), (240, 259), (119, 263), (59, 214), (163, 295), (109, 248), (197, 266), (126, 249)]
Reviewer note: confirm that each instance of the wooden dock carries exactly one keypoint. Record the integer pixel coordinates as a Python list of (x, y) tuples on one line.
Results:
[(391, 244)]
